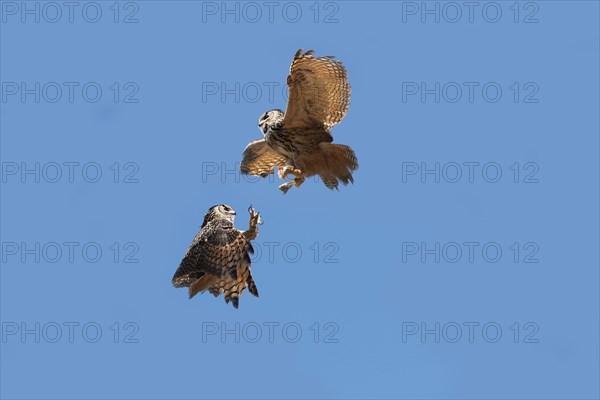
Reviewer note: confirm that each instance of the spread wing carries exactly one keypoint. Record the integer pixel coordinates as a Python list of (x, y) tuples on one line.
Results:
[(319, 92), (216, 251), (259, 159)]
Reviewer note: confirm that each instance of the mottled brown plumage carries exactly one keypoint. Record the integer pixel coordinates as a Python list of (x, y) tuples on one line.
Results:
[(298, 141), (218, 260)]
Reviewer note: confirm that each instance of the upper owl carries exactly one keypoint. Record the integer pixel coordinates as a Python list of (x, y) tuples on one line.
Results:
[(218, 259), (298, 140)]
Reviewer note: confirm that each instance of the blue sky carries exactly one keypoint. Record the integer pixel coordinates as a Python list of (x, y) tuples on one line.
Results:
[(463, 262)]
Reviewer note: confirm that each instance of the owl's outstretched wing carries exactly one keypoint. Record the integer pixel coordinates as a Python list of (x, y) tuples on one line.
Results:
[(259, 159), (319, 92)]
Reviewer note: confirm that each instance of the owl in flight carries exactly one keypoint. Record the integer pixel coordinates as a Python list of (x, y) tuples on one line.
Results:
[(298, 141), (218, 259)]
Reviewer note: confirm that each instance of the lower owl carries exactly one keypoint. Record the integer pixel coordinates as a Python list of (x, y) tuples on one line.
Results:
[(218, 260)]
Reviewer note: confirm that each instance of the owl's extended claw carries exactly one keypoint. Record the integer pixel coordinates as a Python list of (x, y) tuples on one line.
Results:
[(288, 169), (296, 182), (284, 188), (254, 216), (255, 220), (282, 172)]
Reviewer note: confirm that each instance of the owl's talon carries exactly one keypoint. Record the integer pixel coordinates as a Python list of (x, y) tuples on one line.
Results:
[(284, 188), (254, 216), (283, 171)]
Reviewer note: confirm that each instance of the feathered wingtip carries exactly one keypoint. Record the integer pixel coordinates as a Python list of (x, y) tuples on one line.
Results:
[(252, 288), (300, 54), (234, 301), (309, 54)]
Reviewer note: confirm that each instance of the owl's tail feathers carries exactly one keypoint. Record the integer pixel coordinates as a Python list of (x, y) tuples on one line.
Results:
[(341, 161), (200, 285), (251, 285), (234, 288)]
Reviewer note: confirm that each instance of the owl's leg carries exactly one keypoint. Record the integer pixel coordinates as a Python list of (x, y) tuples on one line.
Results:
[(296, 182), (288, 169), (284, 171), (255, 220)]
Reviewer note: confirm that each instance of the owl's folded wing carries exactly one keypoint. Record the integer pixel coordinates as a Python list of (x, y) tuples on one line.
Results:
[(217, 252)]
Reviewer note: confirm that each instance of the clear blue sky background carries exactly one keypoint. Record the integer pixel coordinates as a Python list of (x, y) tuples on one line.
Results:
[(378, 291)]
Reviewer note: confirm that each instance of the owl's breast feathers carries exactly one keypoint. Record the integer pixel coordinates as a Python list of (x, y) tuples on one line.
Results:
[(294, 142)]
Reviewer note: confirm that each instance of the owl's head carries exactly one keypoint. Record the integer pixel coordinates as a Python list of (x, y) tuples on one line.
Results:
[(270, 119), (221, 211)]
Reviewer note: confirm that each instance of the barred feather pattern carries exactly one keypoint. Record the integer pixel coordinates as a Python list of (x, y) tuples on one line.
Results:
[(218, 260), (319, 98)]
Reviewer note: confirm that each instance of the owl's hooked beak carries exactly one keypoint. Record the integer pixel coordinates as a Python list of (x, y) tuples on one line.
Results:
[(263, 127), (230, 211)]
